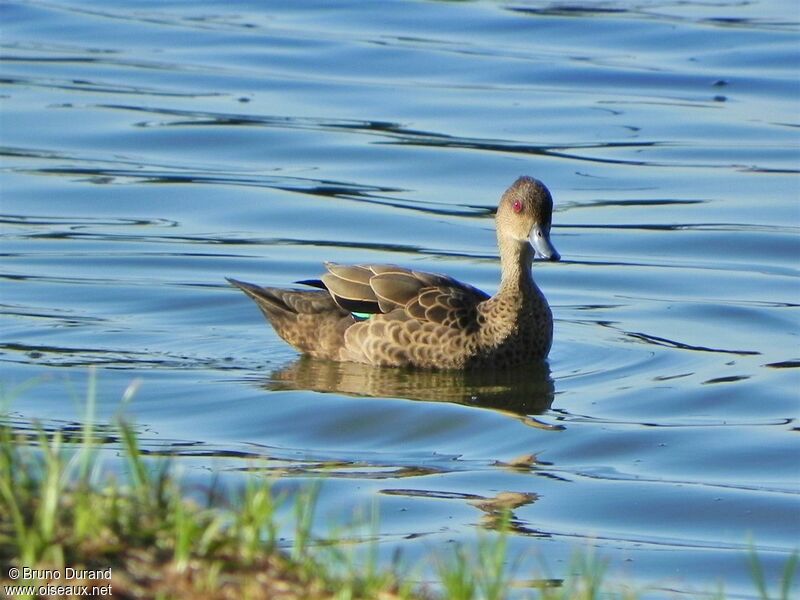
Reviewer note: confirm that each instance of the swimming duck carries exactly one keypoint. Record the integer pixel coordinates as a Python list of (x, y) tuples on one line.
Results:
[(391, 316)]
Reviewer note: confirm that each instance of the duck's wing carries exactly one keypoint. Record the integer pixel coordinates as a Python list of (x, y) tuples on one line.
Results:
[(386, 288)]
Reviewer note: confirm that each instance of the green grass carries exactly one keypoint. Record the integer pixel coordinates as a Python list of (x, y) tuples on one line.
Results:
[(156, 541), (59, 508)]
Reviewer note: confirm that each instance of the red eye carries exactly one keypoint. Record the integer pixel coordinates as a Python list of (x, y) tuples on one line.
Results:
[(517, 206)]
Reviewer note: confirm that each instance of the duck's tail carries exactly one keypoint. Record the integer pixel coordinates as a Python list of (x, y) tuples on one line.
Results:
[(268, 299), (311, 321)]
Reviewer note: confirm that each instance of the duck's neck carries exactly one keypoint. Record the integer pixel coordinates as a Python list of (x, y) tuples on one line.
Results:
[(516, 259)]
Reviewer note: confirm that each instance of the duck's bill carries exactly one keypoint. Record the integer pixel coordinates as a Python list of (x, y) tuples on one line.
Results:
[(540, 240)]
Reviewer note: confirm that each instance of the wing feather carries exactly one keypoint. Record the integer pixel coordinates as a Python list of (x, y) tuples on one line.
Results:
[(421, 296)]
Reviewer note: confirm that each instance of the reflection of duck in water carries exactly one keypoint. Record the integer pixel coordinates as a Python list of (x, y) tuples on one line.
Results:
[(516, 391), (389, 316)]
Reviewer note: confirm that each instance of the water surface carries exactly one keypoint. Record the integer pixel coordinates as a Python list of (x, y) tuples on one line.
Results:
[(152, 148)]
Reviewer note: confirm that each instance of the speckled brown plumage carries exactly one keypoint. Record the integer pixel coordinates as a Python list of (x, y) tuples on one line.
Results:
[(427, 320)]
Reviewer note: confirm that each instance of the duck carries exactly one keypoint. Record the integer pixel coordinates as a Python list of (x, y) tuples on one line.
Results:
[(390, 316)]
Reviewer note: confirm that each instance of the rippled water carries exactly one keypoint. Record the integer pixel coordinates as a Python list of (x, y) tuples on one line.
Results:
[(152, 148)]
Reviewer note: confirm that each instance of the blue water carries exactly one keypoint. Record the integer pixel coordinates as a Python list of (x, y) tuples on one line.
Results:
[(149, 149)]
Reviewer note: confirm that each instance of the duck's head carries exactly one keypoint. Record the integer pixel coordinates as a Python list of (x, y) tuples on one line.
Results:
[(525, 214)]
